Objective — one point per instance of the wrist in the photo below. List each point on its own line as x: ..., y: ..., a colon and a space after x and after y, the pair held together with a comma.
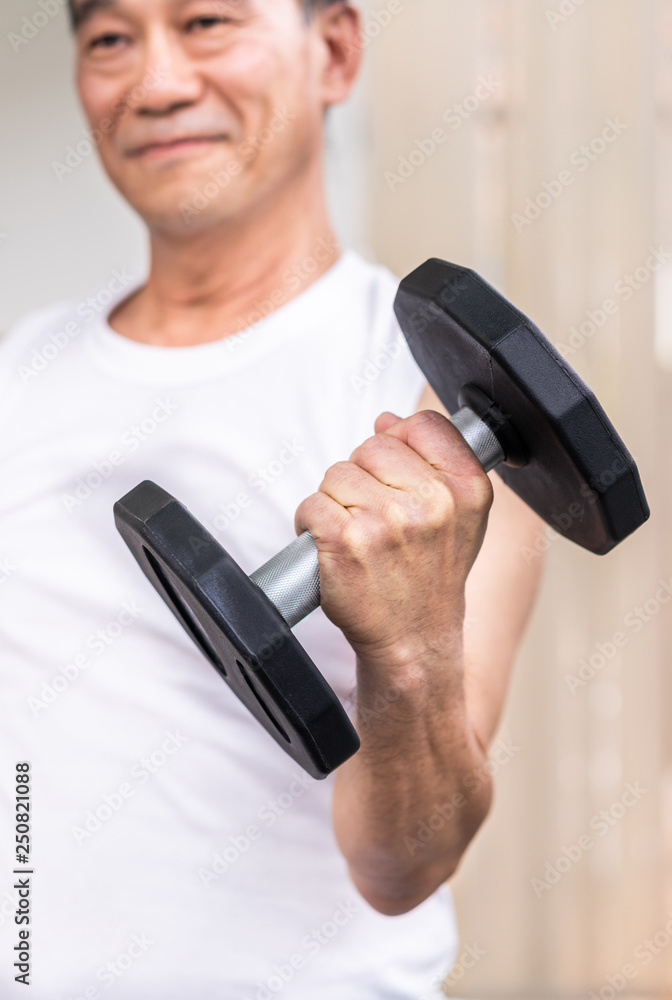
x: 415, y: 665
x: 406, y: 646
x: 407, y: 715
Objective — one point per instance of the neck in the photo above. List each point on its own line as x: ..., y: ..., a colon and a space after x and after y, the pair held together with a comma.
x: 220, y: 280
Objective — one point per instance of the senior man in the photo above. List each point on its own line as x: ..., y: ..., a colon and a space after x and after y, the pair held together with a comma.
x: 177, y: 852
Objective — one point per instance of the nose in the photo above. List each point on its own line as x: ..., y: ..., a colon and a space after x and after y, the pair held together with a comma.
x: 169, y: 78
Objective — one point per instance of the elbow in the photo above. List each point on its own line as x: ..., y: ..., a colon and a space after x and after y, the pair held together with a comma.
x: 392, y: 886
x: 391, y: 905
x: 395, y: 897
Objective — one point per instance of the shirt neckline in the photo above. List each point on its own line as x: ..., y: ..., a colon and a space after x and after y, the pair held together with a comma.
x: 152, y: 363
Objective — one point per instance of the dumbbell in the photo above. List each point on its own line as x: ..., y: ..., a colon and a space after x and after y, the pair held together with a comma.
x: 520, y: 407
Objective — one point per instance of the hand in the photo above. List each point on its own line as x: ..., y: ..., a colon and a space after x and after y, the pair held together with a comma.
x: 397, y: 528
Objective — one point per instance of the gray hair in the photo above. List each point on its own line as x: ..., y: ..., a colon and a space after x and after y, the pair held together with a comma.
x: 310, y: 7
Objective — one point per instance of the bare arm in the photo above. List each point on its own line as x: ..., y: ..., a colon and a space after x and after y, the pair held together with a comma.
x: 429, y: 695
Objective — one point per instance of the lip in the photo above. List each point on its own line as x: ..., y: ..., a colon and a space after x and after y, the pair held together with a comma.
x: 178, y: 146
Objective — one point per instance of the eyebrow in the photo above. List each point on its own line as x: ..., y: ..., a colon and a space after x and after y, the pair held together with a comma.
x: 82, y: 12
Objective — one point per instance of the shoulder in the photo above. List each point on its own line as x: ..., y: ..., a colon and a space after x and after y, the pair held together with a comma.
x: 367, y: 304
x: 372, y: 286
x: 385, y: 372
x: 37, y: 323
x: 32, y: 342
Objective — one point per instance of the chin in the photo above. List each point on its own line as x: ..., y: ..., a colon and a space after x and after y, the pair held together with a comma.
x: 179, y: 218
x: 183, y: 205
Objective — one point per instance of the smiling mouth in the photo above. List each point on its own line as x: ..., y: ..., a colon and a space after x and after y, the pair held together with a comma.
x: 185, y: 144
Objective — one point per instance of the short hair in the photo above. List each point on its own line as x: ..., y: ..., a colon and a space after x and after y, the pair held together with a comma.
x: 309, y: 7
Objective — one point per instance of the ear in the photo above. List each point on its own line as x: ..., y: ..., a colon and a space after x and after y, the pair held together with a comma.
x: 339, y: 29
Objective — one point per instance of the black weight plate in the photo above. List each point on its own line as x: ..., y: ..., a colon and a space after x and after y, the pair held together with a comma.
x: 579, y: 476
x: 237, y: 628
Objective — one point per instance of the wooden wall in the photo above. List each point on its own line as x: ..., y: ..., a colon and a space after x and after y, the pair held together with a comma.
x: 555, y: 84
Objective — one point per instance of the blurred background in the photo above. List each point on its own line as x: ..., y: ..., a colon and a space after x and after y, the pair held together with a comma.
x: 468, y: 115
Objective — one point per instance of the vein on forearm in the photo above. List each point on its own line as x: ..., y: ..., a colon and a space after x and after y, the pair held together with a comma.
x: 417, y: 750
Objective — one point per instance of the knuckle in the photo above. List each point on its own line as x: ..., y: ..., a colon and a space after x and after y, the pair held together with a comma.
x: 430, y: 419
x: 397, y: 516
x: 309, y: 508
x: 342, y: 468
x: 367, y: 448
x: 355, y: 538
x: 438, y: 502
x: 337, y: 473
x: 479, y: 494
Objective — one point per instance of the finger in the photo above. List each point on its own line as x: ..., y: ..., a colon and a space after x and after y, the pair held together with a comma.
x: 392, y: 462
x: 438, y: 442
x: 351, y: 492
x: 385, y: 421
x: 322, y: 516
x: 354, y: 488
x: 345, y: 489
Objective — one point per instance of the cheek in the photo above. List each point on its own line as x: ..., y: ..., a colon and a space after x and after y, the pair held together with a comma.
x: 260, y: 74
x: 98, y: 96
x: 102, y: 103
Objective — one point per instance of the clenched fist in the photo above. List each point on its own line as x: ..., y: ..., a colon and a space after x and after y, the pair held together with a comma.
x: 398, y: 527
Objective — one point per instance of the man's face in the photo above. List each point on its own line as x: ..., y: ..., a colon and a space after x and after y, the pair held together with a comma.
x: 204, y: 109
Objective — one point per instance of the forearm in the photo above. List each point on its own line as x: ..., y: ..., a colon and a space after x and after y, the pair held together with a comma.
x: 407, y: 804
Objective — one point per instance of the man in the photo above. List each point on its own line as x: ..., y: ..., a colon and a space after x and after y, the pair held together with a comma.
x: 178, y: 852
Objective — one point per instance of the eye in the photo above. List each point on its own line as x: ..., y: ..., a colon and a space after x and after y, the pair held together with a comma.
x: 204, y: 23
x: 110, y: 40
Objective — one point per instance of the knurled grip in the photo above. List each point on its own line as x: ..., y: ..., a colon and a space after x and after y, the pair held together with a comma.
x: 480, y: 438
x: 291, y: 579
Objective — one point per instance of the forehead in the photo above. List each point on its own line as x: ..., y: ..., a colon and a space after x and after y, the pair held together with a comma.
x: 83, y: 10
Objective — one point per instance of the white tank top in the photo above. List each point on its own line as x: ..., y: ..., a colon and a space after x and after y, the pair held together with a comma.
x: 177, y: 851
